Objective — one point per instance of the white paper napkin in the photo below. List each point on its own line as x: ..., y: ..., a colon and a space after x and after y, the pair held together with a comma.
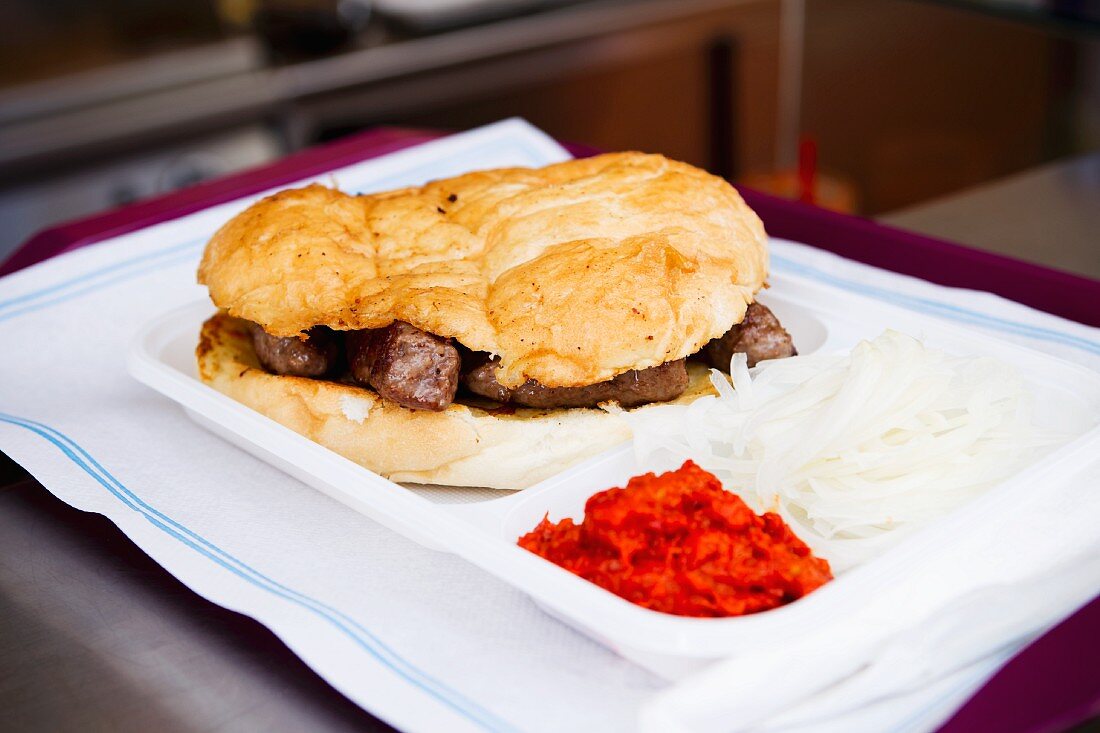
x: 419, y: 638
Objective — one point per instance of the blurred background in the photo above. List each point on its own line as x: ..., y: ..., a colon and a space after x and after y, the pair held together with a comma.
x: 975, y: 120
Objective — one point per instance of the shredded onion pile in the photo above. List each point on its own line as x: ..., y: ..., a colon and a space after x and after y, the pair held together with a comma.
x: 853, y: 450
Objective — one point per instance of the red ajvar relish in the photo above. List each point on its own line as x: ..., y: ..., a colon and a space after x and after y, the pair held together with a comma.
x: 682, y: 544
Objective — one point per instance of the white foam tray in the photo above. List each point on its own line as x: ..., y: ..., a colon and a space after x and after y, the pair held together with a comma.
x: 482, y: 526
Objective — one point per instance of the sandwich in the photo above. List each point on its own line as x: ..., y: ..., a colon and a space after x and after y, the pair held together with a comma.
x: 477, y: 330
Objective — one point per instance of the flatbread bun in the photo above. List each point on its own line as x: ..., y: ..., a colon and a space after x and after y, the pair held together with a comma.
x: 460, y: 446
x: 572, y: 274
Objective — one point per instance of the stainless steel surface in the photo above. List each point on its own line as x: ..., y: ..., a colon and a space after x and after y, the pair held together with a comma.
x: 1049, y: 215
x: 252, y: 94
x: 162, y: 71
x: 95, y: 636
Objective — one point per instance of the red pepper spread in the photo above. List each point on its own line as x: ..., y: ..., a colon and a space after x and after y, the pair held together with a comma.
x: 682, y: 544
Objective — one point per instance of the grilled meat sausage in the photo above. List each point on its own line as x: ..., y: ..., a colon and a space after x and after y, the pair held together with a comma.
x: 636, y: 387
x: 405, y: 365
x: 314, y: 356
x: 760, y: 336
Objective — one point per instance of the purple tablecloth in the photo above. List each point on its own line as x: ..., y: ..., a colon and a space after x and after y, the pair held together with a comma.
x: 1052, y: 684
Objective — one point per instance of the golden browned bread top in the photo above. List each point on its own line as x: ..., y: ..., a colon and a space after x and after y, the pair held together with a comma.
x: 571, y: 273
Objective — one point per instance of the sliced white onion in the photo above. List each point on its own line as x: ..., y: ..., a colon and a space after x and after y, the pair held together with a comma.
x: 854, y: 450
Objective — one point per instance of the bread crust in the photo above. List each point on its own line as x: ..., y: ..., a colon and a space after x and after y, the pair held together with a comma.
x: 572, y: 273
x: 460, y: 446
